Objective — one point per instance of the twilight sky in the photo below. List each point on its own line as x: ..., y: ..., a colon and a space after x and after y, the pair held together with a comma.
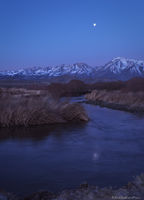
x: 50, y: 32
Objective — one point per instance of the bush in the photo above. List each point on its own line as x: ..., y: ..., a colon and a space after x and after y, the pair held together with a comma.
x: 134, y: 85
x: 109, y: 86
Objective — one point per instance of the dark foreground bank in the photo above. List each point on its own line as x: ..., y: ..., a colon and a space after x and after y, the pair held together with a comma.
x: 133, y: 190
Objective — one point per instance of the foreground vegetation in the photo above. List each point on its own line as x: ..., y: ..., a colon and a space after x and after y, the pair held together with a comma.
x: 21, y: 107
x: 37, y: 104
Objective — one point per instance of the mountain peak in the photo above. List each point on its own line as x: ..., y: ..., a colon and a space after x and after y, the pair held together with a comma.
x: 80, y: 64
x: 125, y: 67
x: 119, y: 59
x: 127, y: 60
x: 118, y: 68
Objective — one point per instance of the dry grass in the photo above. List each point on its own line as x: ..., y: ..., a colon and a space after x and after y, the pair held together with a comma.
x: 135, y: 100
x: 18, y: 109
x: 21, y: 92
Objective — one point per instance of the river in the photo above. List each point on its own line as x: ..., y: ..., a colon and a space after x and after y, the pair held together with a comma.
x: 106, y: 151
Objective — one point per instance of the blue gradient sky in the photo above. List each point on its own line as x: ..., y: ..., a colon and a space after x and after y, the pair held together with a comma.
x: 50, y: 32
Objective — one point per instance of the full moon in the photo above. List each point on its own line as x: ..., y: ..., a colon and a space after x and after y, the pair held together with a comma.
x: 94, y: 24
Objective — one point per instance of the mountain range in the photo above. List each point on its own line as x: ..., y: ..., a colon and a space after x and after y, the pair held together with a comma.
x: 117, y: 69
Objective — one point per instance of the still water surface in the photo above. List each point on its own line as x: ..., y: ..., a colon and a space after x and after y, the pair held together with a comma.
x: 108, y: 150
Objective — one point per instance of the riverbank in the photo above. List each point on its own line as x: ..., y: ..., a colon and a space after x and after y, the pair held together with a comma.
x: 133, y: 190
x: 127, y: 101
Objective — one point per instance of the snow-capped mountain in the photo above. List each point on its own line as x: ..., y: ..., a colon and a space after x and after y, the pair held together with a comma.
x: 117, y: 69
x: 53, y: 71
x: 118, y: 65
x: 121, y: 69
